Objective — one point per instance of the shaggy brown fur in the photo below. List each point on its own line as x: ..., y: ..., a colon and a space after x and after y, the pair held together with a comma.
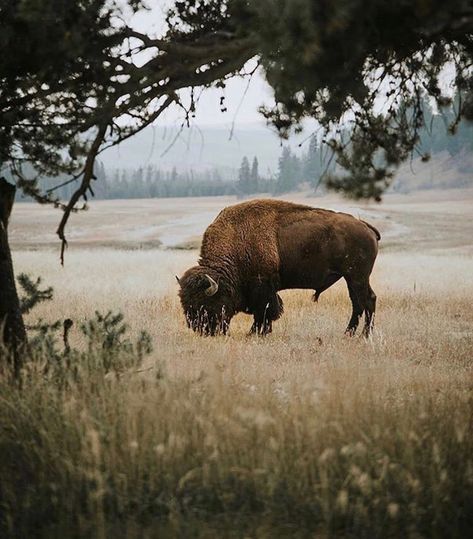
x: 256, y: 248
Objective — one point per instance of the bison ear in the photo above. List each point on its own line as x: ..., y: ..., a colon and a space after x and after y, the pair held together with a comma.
x: 212, y: 287
x: 178, y: 280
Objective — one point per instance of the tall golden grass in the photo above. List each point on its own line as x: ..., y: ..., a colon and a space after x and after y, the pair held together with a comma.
x: 304, y: 433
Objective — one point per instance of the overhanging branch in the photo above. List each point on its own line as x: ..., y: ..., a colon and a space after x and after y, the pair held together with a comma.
x: 85, y: 185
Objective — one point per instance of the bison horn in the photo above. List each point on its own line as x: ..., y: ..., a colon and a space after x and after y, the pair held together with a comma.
x: 177, y: 279
x: 213, y: 287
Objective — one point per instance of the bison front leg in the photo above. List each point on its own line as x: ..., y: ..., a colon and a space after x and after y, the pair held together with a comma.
x: 261, y: 327
x: 267, y: 309
x: 262, y: 323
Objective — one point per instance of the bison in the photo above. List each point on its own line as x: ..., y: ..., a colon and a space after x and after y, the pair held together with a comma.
x: 256, y: 248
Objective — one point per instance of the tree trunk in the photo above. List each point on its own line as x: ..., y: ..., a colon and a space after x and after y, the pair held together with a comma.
x: 13, y: 335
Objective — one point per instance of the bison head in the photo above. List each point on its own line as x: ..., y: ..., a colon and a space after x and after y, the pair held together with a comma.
x: 206, y: 301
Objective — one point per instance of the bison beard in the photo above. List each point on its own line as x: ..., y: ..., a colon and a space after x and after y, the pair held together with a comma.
x: 254, y: 249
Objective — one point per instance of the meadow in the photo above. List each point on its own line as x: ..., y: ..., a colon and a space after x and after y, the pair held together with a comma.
x: 304, y: 433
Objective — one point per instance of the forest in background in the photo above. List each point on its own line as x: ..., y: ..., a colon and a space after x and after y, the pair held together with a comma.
x: 295, y: 169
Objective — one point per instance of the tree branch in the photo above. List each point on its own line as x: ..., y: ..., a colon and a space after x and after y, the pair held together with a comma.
x: 82, y: 190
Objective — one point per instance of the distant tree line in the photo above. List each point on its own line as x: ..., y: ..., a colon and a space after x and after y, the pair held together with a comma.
x: 146, y: 182
x: 308, y: 168
x: 294, y: 169
x: 152, y: 182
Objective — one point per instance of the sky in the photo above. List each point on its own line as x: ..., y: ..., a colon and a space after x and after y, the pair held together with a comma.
x: 242, y: 99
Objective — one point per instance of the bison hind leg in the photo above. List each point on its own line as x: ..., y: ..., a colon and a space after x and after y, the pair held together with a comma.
x: 363, y: 300
x: 369, y: 312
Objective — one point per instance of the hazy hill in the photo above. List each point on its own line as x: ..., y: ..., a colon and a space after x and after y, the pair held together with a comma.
x: 198, y: 148
x: 442, y: 171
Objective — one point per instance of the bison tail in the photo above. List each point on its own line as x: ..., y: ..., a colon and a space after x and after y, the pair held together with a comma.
x: 375, y: 230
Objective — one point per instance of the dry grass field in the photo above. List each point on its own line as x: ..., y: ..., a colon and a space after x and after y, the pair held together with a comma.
x: 305, y: 433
